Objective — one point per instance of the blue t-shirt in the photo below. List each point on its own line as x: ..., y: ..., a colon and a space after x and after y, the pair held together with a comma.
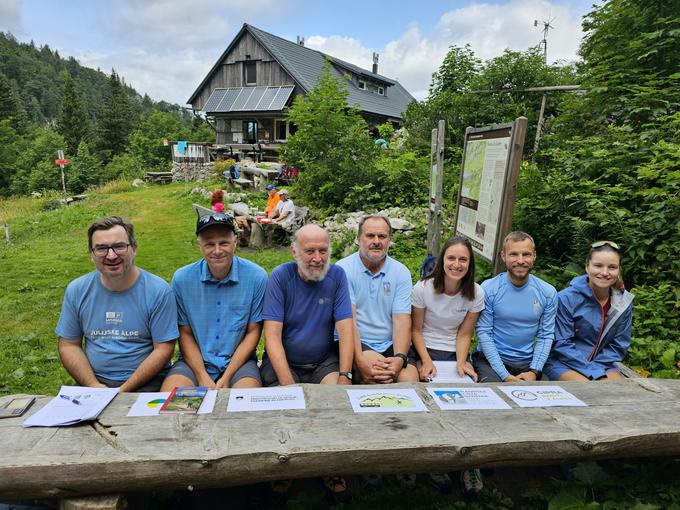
x: 219, y: 311
x: 377, y: 297
x: 119, y: 327
x: 517, y: 324
x: 308, y: 311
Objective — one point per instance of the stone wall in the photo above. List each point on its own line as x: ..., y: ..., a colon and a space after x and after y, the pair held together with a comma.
x: 191, y: 171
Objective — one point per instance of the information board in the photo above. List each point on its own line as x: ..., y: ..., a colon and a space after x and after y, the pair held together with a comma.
x: 488, y: 175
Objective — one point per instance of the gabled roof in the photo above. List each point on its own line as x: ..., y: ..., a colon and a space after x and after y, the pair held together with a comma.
x: 305, y: 64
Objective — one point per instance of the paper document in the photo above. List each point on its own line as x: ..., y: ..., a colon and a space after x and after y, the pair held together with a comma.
x: 385, y: 401
x: 148, y: 404
x: 447, y: 372
x: 467, y: 398
x: 541, y: 396
x: 266, y: 399
x: 72, y: 405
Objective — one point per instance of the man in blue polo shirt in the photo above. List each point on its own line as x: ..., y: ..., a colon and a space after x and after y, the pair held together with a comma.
x: 125, y: 315
x: 517, y: 326
x: 219, y: 305
x: 380, y: 289
x: 305, y: 301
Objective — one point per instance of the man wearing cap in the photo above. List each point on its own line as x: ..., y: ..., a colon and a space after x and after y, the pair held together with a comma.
x: 126, y: 316
x: 305, y: 301
x: 284, y: 212
x: 272, y: 200
x: 219, y: 311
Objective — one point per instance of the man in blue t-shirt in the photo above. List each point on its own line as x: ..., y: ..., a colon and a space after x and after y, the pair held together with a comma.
x: 126, y: 316
x: 304, y: 302
x: 517, y: 326
x: 219, y: 305
x: 380, y: 289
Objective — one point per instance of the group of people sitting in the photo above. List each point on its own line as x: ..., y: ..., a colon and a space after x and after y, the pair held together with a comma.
x: 359, y: 320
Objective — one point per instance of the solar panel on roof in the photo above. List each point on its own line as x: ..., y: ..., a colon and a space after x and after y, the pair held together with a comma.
x: 228, y: 100
x: 282, y: 95
x: 248, y: 99
x: 214, y: 100
x: 254, y: 99
x: 266, y: 99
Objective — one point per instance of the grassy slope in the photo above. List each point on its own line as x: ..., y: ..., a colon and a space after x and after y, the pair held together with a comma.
x: 49, y: 249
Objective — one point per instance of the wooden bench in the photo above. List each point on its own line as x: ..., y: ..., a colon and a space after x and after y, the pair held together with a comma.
x: 158, y: 177
x: 116, y: 453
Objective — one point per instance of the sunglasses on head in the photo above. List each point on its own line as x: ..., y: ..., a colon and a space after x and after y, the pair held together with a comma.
x: 612, y: 244
x: 217, y: 217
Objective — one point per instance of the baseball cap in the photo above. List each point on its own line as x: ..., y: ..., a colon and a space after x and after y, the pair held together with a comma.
x: 283, y: 192
x: 270, y: 187
x: 209, y: 220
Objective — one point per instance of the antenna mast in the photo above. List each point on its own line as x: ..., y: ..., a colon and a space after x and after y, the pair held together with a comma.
x: 544, y: 42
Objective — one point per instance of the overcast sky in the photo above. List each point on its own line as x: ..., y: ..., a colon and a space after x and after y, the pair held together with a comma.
x: 165, y: 47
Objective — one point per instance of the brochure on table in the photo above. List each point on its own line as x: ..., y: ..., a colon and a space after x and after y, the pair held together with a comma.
x: 541, y: 396
x: 266, y: 399
x: 149, y: 404
x: 385, y: 401
x: 447, y: 372
x: 467, y: 398
x: 72, y: 405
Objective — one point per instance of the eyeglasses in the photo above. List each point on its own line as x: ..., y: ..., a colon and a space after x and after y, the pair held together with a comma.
x: 599, y: 244
x: 102, y: 250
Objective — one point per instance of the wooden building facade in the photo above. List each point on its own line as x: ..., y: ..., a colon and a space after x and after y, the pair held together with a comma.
x: 260, y: 74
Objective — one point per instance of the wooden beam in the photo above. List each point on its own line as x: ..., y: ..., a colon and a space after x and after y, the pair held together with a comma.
x: 628, y: 418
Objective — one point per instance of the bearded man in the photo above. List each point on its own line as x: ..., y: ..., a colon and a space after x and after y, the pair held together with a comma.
x: 304, y: 302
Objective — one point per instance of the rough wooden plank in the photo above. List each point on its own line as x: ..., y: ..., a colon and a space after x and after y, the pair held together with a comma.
x: 624, y: 419
x: 111, y: 502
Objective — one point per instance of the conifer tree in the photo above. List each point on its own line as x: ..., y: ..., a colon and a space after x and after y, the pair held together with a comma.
x: 115, y: 120
x: 72, y: 122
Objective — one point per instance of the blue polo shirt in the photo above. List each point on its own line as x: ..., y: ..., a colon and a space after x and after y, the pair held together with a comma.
x: 219, y: 311
x: 377, y: 297
x: 308, y: 311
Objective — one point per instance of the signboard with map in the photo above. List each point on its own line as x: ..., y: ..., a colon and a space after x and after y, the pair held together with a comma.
x: 491, y: 157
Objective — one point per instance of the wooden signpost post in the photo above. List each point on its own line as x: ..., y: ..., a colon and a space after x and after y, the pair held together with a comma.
x: 436, y: 187
x: 62, y: 163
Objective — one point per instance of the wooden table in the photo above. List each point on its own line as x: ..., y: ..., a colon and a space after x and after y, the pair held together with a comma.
x: 629, y: 418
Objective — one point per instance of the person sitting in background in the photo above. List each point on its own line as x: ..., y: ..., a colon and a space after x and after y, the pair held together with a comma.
x: 272, y: 199
x: 284, y: 212
x: 594, y: 320
x: 217, y: 200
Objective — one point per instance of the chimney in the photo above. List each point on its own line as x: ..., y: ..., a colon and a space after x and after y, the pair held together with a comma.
x: 300, y: 40
x: 375, y: 62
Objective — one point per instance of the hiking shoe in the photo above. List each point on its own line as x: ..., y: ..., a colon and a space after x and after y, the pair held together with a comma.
x: 407, y: 479
x: 372, y: 481
x: 441, y: 482
x: 472, y: 481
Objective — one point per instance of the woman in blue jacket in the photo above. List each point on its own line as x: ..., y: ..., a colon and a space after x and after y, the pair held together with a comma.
x: 594, y: 320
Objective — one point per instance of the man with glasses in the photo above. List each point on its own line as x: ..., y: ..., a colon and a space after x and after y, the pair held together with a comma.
x: 219, y: 305
x: 127, y: 316
x: 517, y: 326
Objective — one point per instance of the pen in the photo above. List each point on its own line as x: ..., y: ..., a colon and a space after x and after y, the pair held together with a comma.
x: 66, y: 397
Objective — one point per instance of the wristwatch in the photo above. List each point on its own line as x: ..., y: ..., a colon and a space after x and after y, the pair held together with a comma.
x: 403, y: 358
x: 347, y: 374
x: 537, y: 373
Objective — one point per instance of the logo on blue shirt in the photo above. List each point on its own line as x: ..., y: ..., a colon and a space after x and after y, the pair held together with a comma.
x: 387, y: 288
x: 114, y: 317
